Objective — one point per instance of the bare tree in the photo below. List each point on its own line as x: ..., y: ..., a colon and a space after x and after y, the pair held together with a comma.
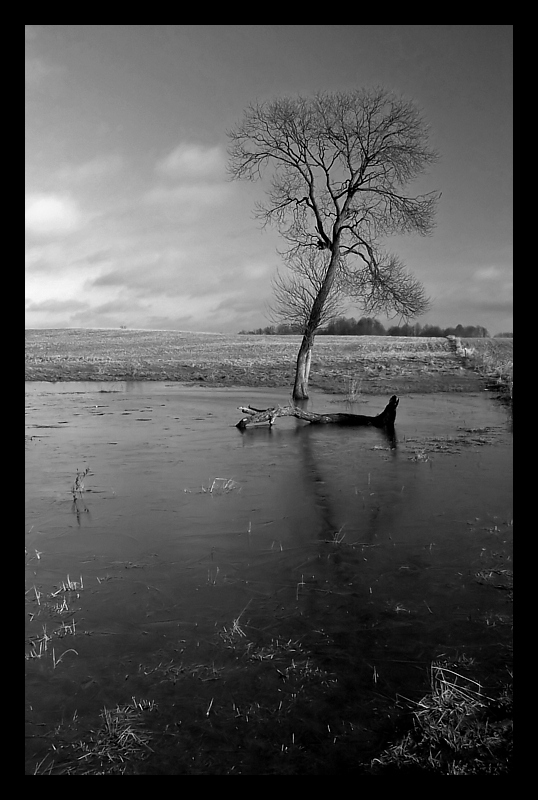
x: 296, y: 291
x: 339, y: 167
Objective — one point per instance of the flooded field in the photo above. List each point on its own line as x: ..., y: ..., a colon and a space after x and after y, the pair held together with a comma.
x: 255, y: 602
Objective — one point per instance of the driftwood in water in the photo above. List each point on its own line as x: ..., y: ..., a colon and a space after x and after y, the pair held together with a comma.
x: 256, y: 415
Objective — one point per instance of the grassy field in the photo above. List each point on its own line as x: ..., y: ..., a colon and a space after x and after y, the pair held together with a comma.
x: 493, y: 359
x: 340, y: 364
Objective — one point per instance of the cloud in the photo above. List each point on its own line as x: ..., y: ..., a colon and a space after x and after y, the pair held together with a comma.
x: 489, y: 273
x: 498, y: 307
x: 94, y: 169
x: 192, y: 162
x: 159, y: 323
x: 191, y: 182
x: 171, y: 253
x: 184, y: 269
x: 53, y: 306
x: 191, y: 200
x: 170, y: 273
x: 481, y: 295
x: 96, y: 257
x: 119, y: 305
x: 51, y: 215
x: 493, y: 287
x: 36, y: 70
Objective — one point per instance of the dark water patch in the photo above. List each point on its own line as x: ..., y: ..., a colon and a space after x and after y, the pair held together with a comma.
x: 272, y: 592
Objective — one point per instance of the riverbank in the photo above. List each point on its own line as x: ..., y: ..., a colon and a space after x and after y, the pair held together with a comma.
x: 351, y: 365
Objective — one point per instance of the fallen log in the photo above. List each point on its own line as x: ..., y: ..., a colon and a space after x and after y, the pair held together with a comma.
x: 258, y: 415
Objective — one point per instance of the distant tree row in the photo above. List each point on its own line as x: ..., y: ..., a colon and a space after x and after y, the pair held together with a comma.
x: 276, y: 330
x: 369, y: 326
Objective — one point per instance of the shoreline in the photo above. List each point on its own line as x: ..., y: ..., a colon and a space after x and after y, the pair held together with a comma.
x: 347, y: 365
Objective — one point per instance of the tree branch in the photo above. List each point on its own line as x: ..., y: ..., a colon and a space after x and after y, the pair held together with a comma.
x: 255, y: 416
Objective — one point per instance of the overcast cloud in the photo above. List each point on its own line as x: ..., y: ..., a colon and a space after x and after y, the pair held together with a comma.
x: 130, y: 216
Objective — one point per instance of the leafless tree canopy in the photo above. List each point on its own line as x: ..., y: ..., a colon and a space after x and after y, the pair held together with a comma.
x: 295, y: 292
x: 339, y: 166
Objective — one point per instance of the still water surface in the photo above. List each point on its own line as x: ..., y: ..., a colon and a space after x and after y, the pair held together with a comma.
x: 372, y: 554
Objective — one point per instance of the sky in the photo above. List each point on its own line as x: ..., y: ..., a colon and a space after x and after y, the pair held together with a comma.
x: 130, y: 215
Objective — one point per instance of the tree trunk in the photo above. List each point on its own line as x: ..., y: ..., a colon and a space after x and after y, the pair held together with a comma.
x: 302, y: 373
x: 256, y: 415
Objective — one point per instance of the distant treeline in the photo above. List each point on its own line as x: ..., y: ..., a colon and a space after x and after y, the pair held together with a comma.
x: 368, y: 326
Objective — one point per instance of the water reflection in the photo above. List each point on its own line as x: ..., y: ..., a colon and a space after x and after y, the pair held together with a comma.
x: 340, y: 538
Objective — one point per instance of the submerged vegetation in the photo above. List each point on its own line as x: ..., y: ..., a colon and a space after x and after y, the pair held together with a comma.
x: 270, y: 706
x: 249, y: 702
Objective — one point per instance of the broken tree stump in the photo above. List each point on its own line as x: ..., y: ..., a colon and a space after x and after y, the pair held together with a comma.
x: 258, y: 415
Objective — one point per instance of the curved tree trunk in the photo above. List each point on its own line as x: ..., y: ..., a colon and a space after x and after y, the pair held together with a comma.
x: 302, y: 372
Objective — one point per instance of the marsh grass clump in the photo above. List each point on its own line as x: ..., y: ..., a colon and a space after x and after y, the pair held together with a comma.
x: 353, y: 389
x: 221, y: 486
x: 217, y: 486
x: 173, y: 671
x: 68, y: 585
x: 112, y: 749
x: 233, y: 633
x: 457, y: 730
x: 419, y: 455
x: 39, y: 645
x: 78, y: 484
x: 53, y: 604
x: 276, y: 648
x: 338, y: 536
